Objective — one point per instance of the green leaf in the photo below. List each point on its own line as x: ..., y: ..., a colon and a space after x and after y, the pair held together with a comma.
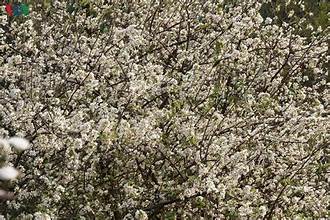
x: 170, y: 216
x: 232, y: 215
x: 192, y: 140
x: 84, y: 3
x: 218, y: 47
x: 70, y: 7
x: 104, y: 28
x: 200, y: 203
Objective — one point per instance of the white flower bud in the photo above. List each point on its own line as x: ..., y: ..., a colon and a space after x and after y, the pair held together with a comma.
x: 268, y: 20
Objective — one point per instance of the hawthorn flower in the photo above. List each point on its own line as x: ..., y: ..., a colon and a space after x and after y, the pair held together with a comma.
x: 245, y: 210
x: 41, y: 216
x: 291, y: 13
x: 268, y: 20
x: 141, y: 215
x: 263, y: 210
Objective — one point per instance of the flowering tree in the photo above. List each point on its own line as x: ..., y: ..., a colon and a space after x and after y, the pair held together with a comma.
x: 165, y: 110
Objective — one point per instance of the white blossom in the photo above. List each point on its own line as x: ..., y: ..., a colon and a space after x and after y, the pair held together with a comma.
x: 177, y: 110
x: 141, y: 215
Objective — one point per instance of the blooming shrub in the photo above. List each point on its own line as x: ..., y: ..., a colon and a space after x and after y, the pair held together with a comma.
x: 165, y: 110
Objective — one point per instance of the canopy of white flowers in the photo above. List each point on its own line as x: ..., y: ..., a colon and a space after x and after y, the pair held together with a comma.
x: 164, y: 110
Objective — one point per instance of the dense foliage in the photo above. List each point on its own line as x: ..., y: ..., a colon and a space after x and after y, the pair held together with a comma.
x: 165, y: 110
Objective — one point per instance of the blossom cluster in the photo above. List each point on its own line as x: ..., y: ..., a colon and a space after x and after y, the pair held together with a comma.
x: 181, y: 110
